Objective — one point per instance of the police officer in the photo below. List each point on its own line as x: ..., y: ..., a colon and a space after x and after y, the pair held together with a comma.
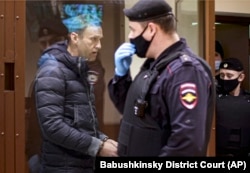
x: 51, y: 31
x: 167, y: 108
x: 232, y: 111
x: 218, y: 57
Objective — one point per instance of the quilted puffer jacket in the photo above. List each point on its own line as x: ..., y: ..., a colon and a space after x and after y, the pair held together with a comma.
x: 66, y: 112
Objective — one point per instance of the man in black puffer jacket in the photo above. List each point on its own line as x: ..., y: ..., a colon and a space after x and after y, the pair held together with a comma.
x: 65, y: 104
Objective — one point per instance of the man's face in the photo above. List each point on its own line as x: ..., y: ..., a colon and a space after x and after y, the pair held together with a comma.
x: 217, y: 56
x: 46, y: 41
x: 227, y: 74
x: 135, y: 29
x: 89, y: 43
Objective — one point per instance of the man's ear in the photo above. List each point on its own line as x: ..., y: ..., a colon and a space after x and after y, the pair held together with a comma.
x: 152, y: 28
x: 74, y: 37
x: 242, y: 77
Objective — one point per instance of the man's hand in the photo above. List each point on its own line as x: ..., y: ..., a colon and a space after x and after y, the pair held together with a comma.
x: 123, y: 58
x: 109, y: 149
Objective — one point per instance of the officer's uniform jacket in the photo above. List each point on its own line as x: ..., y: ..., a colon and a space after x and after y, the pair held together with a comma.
x: 232, y: 124
x: 176, y: 122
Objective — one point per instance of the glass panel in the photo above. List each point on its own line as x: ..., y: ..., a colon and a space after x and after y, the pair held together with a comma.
x: 187, y: 26
x: 46, y: 22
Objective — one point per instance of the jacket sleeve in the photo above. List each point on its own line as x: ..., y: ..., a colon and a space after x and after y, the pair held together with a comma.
x: 49, y: 96
x: 188, y: 90
x: 118, y: 88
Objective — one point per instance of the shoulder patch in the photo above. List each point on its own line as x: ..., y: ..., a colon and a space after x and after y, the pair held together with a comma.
x: 188, y: 95
x: 92, y: 77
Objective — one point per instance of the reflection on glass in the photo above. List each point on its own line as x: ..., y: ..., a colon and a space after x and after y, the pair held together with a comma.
x: 72, y: 13
x: 48, y: 24
x: 187, y: 13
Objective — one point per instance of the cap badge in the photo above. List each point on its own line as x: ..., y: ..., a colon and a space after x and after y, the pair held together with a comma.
x: 225, y: 65
x: 45, y: 31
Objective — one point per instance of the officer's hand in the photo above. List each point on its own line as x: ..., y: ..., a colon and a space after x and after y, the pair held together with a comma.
x: 123, y: 58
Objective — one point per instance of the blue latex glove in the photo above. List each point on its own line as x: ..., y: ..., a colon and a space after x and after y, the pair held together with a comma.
x: 123, y: 58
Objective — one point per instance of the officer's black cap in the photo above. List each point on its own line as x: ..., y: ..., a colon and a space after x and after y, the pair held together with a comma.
x: 231, y: 64
x: 145, y: 10
x: 52, y: 27
x: 219, y: 49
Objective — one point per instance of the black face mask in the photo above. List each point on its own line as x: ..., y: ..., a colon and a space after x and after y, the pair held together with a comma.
x: 141, y: 45
x: 228, y: 85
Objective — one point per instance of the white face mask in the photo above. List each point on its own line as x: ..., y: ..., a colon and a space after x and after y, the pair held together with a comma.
x: 217, y: 64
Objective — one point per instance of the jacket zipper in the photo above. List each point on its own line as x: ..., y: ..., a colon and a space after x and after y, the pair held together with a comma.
x: 88, y: 95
